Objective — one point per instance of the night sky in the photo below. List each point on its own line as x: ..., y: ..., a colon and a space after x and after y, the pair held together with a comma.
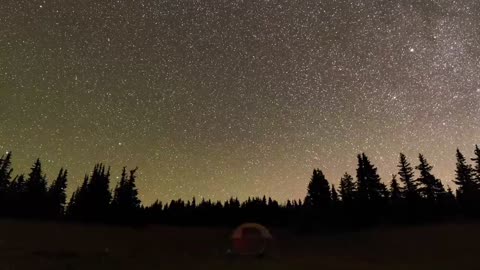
x: 236, y: 98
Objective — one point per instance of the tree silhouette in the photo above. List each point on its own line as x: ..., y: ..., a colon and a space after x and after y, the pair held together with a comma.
x: 56, y: 194
x: 395, y: 192
x: 467, y: 191
x: 476, y: 160
x: 430, y: 188
x: 347, y: 189
x: 92, y: 199
x: 362, y: 202
x: 5, y: 177
x: 318, y: 191
x: 16, y: 197
x: 125, y: 200
x: 408, y: 180
x: 77, y: 207
x: 36, y: 191
x: 98, y: 195
x: 371, y: 191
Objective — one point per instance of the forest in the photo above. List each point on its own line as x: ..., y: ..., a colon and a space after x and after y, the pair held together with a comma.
x: 413, y: 195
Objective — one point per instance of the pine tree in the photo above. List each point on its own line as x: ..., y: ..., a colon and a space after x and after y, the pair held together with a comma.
x: 77, y: 206
x: 395, y: 191
x: 347, y: 189
x: 371, y: 190
x: 36, y: 191
x: 92, y: 199
x: 476, y: 161
x: 98, y: 193
x: 56, y: 194
x: 318, y: 193
x: 467, y: 187
x: 125, y: 200
x: 16, y: 196
x: 430, y: 188
x: 5, y: 177
x: 408, y: 180
x: 5, y: 173
x: 449, y: 202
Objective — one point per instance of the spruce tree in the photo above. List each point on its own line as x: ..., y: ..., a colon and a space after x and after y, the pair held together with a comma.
x: 5, y: 174
x: 395, y: 191
x: 16, y: 196
x: 371, y: 190
x: 56, y: 194
x: 467, y: 192
x: 408, y: 180
x: 5, y: 177
x: 347, y: 189
x: 125, y: 200
x: 36, y: 191
x: 318, y: 193
x: 476, y: 161
x: 98, y: 192
x: 430, y: 187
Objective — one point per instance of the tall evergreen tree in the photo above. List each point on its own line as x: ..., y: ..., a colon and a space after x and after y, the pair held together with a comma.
x: 371, y: 190
x: 318, y: 193
x: 395, y: 191
x: 5, y: 173
x: 430, y: 188
x: 408, y: 180
x: 5, y: 177
x: 16, y: 196
x: 36, y: 191
x: 125, y: 200
x: 467, y: 192
x: 92, y: 199
x: 77, y: 206
x: 56, y: 194
x: 347, y: 189
x: 98, y: 195
x: 476, y: 161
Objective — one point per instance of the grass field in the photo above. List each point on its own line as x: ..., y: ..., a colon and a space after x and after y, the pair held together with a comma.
x: 68, y: 246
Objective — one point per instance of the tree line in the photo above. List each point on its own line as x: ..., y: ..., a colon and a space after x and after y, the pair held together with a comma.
x: 414, y: 194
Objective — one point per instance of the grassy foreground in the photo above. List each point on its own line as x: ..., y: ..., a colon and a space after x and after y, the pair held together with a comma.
x: 71, y: 246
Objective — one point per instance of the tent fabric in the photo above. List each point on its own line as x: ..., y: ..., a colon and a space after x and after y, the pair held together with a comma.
x: 249, y: 229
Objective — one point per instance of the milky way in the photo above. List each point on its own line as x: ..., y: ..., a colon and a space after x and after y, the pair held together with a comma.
x: 235, y: 98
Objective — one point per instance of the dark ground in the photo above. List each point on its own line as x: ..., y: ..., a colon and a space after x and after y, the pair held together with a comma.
x: 43, y: 245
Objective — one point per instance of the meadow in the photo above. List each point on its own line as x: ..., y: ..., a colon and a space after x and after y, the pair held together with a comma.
x: 46, y: 245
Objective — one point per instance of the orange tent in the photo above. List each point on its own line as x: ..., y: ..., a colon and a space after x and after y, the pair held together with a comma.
x: 250, y: 239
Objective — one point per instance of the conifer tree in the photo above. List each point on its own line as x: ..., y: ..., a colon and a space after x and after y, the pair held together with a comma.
x: 5, y: 177
x: 395, y: 191
x: 347, y: 189
x: 98, y: 193
x: 430, y: 188
x: 125, y: 200
x: 476, y: 161
x: 467, y: 192
x: 36, y: 191
x: 370, y: 188
x: 5, y: 174
x: 318, y: 193
x: 56, y: 194
x: 407, y: 178
x: 16, y: 196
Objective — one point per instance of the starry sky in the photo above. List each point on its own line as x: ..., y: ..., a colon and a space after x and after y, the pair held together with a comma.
x: 236, y: 98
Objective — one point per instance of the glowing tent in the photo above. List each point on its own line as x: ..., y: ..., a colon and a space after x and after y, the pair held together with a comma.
x: 250, y: 239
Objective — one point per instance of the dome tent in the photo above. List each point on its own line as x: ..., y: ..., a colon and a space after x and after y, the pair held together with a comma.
x: 250, y: 239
